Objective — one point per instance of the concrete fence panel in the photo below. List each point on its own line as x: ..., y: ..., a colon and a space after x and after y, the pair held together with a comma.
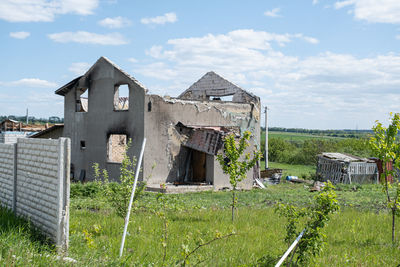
x: 7, y: 175
x: 39, y: 174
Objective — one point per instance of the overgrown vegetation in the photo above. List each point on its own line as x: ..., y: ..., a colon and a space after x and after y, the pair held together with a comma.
x: 357, y: 236
x: 235, y: 163
x: 315, y: 218
x: 118, y: 194
x: 305, y: 152
x: 386, y: 147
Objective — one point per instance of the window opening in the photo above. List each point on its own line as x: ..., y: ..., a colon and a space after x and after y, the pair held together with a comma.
x: 116, y: 147
x: 223, y: 98
x: 83, y: 144
x: 121, y: 97
x: 82, y: 99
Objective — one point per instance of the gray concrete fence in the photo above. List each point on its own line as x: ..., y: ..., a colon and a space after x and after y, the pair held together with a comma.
x: 34, y: 183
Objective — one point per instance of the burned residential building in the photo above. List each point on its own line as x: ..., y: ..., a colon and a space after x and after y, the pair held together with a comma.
x: 106, y: 107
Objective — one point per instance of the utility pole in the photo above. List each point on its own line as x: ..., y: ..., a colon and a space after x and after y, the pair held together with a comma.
x: 26, y: 116
x: 266, y: 138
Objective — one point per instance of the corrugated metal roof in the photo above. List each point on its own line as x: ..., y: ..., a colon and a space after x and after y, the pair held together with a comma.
x: 205, y: 140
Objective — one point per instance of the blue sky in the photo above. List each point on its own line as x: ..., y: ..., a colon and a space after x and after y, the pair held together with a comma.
x: 315, y: 64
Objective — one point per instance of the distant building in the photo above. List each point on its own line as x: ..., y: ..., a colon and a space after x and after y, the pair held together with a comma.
x: 347, y: 169
x: 53, y: 132
x: 11, y: 130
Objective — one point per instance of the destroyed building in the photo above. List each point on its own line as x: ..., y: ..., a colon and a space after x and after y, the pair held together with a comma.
x: 11, y: 130
x: 106, y: 107
x: 346, y: 168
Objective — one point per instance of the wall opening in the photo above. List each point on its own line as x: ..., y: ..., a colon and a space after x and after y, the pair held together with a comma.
x: 223, y: 98
x: 83, y: 144
x: 82, y: 100
x: 198, y: 163
x: 116, y: 144
x: 121, y: 97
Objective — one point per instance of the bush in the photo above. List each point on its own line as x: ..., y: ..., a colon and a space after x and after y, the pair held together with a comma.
x: 91, y: 189
x: 118, y: 194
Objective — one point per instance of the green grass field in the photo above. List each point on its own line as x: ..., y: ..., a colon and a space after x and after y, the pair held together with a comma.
x: 359, y: 235
x: 301, y: 171
x: 289, y: 136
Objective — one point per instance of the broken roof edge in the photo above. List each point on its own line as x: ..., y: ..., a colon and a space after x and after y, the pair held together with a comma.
x: 173, y: 100
x: 63, y: 90
x: 343, y: 157
x: 223, y: 128
x: 222, y: 78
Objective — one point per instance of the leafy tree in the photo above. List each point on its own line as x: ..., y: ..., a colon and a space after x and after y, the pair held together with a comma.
x: 234, y: 163
x: 386, y: 147
x: 316, y: 217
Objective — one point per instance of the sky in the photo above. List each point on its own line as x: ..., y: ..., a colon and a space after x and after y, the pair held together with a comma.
x: 315, y: 64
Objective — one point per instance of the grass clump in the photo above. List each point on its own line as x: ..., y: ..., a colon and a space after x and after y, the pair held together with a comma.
x: 21, y: 244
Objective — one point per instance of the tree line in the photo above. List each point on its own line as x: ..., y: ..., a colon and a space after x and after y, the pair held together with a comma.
x: 305, y: 152
x: 32, y: 119
x: 348, y: 133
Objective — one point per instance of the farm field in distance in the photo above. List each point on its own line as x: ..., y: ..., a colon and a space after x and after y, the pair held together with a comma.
x: 301, y: 171
x: 359, y: 235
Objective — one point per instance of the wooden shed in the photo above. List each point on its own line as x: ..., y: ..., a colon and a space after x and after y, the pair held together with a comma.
x: 347, y: 169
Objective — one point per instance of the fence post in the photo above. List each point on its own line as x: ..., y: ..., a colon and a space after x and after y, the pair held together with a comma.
x: 63, y: 194
x: 14, y: 200
x: 65, y: 213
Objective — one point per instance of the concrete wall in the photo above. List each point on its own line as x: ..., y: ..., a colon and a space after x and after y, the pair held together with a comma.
x: 164, y: 149
x: 34, y: 175
x: 95, y: 126
x: 11, y: 137
x: 7, y: 162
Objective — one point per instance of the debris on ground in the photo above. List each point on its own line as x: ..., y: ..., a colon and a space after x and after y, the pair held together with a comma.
x: 317, y: 186
x: 260, y: 184
x: 295, y: 179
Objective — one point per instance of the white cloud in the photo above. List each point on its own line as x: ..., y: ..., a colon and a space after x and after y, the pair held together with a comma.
x: 115, y: 23
x: 314, y: 2
x: 383, y: 11
x: 30, y: 82
x: 166, y: 18
x: 88, y: 38
x: 43, y: 10
x: 329, y: 90
x: 341, y: 4
x: 20, y: 35
x: 133, y: 60
x: 273, y: 13
x: 79, y: 68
